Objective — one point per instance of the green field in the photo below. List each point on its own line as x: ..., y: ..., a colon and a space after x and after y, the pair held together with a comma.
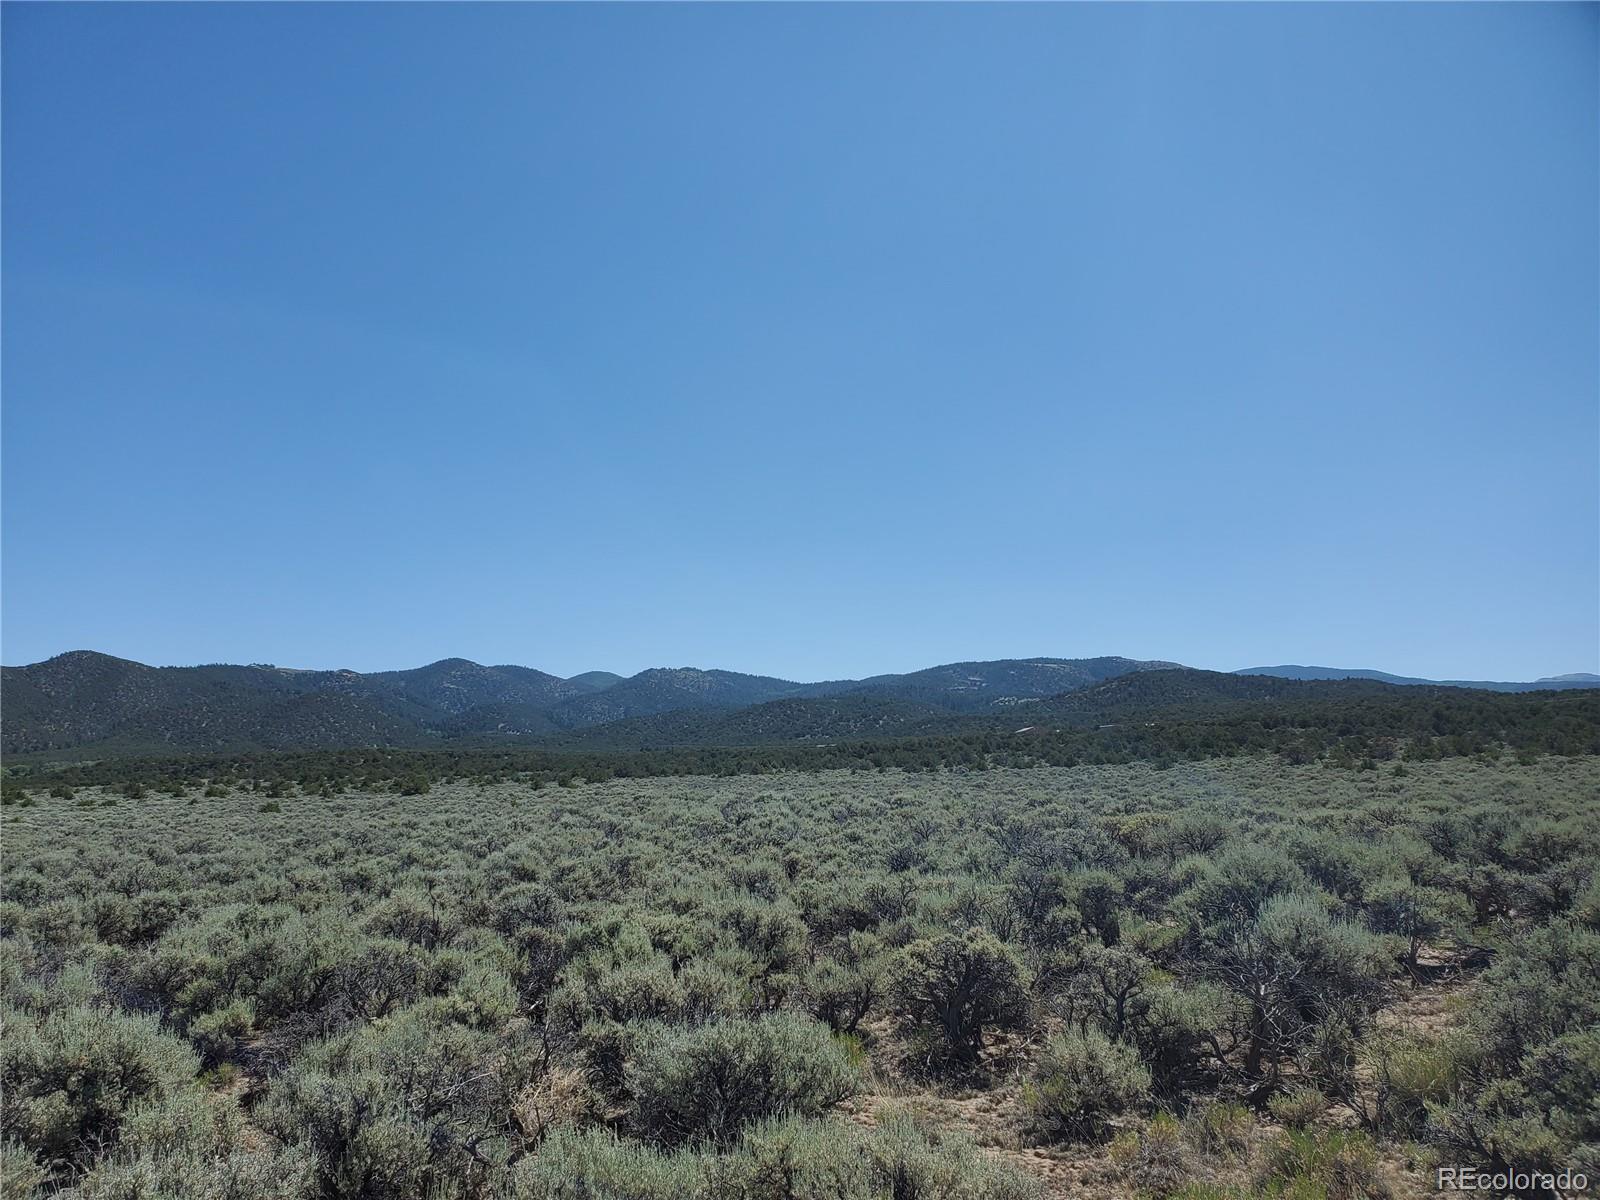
x: 1226, y: 978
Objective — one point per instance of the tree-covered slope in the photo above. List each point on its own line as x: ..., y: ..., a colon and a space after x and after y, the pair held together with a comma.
x: 456, y: 686
x: 852, y: 716
x: 975, y: 686
x: 1579, y: 679
x: 664, y: 689
x: 88, y: 699
x: 84, y: 704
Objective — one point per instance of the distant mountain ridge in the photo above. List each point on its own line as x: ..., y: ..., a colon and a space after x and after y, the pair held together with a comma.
x: 90, y: 704
x: 455, y: 685
x: 1132, y: 700
x: 82, y: 700
x: 1579, y: 679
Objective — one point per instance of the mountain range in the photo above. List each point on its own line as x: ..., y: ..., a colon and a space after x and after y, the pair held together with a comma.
x: 86, y: 704
x: 86, y: 700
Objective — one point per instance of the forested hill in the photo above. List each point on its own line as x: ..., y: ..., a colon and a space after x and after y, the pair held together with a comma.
x: 1158, y: 717
x: 1120, y: 709
x: 1580, y: 679
x: 89, y: 704
x: 1155, y: 716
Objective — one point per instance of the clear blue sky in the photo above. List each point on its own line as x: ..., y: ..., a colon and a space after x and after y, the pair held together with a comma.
x: 810, y: 340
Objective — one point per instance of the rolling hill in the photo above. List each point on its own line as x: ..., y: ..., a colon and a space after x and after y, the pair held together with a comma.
x: 665, y: 689
x: 1550, y: 683
x: 845, y: 717
x: 89, y: 703
x: 456, y: 686
x: 1130, y: 698
x: 87, y: 699
x: 83, y: 704
x: 981, y: 686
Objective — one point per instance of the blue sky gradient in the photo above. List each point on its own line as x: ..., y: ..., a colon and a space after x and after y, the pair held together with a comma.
x: 813, y: 340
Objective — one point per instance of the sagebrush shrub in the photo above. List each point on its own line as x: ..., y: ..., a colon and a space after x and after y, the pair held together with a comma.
x: 1155, y: 1161
x: 1084, y: 1078
x: 1336, y: 1164
x: 1298, y: 1107
x: 21, y: 1175
x: 217, y: 1034
x: 68, y: 1083
x: 596, y: 1163
x: 1220, y: 1129
x: 702, y: 1083
x: 786, y: 1159
x: 959, y: 985
x: 238, y: 1174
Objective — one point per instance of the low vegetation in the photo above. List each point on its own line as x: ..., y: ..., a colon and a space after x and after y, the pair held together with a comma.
x: 329, y: 980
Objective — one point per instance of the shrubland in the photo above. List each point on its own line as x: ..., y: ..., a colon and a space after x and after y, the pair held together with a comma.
x: 1197, y: 976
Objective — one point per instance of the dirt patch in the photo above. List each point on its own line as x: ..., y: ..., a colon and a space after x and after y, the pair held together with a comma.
x: 1429, y: 1011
